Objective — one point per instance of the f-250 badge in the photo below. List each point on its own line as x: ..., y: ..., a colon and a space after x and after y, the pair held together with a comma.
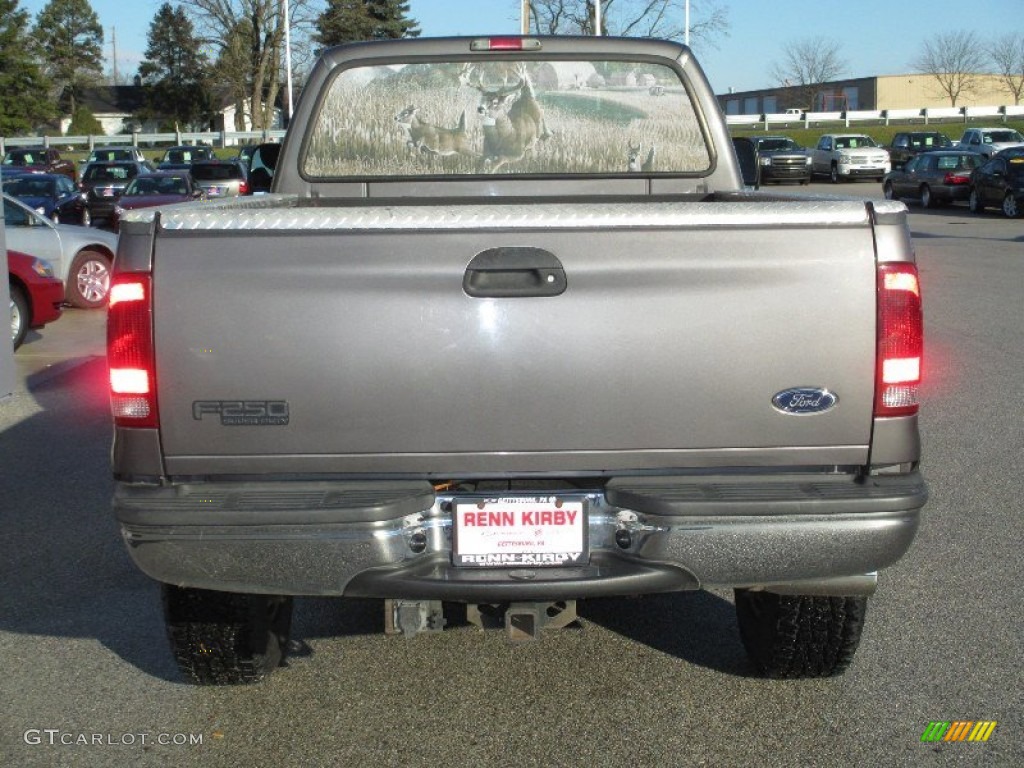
x: 805, y: 400
x: 243, y: 413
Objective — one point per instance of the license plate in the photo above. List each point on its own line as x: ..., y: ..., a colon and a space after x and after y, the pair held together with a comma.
x: 519, y: 532
x: 108, y: 192
x: 214, y: 191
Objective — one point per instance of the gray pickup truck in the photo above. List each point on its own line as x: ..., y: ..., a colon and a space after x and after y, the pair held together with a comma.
x: 510, y: 332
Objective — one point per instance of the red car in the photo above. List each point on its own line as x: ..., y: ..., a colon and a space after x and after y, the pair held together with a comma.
x: 161, y: 188
x: 37, y: 297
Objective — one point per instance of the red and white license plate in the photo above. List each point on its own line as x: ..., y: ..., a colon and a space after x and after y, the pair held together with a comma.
x: 519, y: 532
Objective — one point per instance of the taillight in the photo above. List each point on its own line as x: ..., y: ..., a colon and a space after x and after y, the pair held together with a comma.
x: 243, y: 187
x: 955, y: 178
x: 900, y: 339
x: 130, y: 351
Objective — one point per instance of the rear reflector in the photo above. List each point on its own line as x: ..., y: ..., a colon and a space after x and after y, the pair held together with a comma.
x: 900, y: 340
x: 130, y: 351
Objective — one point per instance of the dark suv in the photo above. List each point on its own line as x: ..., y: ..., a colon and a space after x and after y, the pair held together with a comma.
x: 103, y: 184
x: 910, y: 144
x: 779, y: 158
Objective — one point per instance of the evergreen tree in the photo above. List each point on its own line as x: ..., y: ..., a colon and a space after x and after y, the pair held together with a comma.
x: 175, y: 69
x: 24, y: 97
x: 347, y: 21
x: 71, y: 43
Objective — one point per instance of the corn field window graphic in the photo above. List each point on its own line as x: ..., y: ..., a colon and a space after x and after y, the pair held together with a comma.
x: 958, y: 730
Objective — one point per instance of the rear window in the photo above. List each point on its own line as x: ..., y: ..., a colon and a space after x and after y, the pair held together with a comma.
x: 201, y: 172
x: 110, y: 172
x: 958, y: 162
x: 507, y: 118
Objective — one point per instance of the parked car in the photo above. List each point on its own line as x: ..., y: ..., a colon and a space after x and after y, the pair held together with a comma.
x: 990, y: 141
x: 942, y: 176
x: 181, y: 158
x: 37, y: 294
x: 160, y: 188
x: 779, y: 158
x: 80, y: 256
x: 55, y: 197
x: 220, y: 179
x: 103, y: 184
x: 848, y: 156
x: 120, y: 154
x: 37, y: 160
x: 999, y: 183
x: 908, y: 144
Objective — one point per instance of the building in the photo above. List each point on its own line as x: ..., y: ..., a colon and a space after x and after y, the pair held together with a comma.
x: 914, y: 91
x: 117, y: 109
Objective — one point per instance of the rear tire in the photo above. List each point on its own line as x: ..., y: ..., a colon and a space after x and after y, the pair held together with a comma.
x: 927, y: 201
x: 20, y: 316
x: 888, y: 191
x: 834, y: 174
x: 974, y: 202
x: 224, y: 638
x: 799, y: 636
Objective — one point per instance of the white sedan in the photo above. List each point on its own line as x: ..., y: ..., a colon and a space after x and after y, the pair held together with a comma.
x: 81, y: 256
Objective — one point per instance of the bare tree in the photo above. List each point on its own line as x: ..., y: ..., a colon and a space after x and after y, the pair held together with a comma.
x: 806, y: 64
x: 954, y: 59
x: 631, y: 18
x: 1007, y: 53
x: 247, y: 40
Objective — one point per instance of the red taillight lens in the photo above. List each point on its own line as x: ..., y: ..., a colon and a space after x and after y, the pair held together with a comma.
x: 900, y: 340
x: 955, y: 178
x: 243, y: 188
x: 130, y: 351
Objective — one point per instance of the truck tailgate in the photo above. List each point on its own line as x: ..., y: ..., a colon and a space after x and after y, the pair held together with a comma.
x: 342, y: 339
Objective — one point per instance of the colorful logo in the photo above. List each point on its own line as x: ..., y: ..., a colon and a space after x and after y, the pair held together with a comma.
x: 959, y: 730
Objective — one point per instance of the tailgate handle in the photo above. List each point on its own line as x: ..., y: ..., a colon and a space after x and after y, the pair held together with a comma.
x: 514, y: 271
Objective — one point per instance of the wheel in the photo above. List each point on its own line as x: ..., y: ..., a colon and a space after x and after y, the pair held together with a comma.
x: 224, y: 638
x: 834, y: 174
x: 55, y: 217
x: 974, y: 202
x: 805, y: 182
x: 927, y: 200
x: 888, y: 191
x: 86, y: 218
x: 89, y: 280
x: 799, y: 636
x: 20, y: 316
x: 1011, y: 208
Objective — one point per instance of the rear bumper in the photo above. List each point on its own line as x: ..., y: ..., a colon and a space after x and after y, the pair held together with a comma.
x: 394, y: 541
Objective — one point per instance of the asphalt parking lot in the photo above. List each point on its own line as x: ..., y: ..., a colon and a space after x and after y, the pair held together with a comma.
x: 658, y: 681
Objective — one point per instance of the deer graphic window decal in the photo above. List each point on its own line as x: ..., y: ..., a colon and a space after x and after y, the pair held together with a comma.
x: 506, y: 117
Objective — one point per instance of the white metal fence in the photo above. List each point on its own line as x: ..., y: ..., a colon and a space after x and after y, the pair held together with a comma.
x: 925, y: 115
x: 212, y: 138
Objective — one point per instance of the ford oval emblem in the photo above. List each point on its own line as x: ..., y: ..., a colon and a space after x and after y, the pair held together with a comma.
x: 805, y: 400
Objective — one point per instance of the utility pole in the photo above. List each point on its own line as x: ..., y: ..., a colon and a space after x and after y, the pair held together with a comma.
x: 113, y: 55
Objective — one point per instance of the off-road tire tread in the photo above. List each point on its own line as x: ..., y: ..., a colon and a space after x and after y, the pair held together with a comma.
x: 800, y: 636
x: 222, y: 638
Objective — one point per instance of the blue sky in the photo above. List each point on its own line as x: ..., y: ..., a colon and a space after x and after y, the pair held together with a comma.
x: 877, y: 38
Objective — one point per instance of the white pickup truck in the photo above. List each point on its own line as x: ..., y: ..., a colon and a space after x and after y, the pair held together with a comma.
x: 990, y: 141
x: 847, y: 156
x: 467, y: 356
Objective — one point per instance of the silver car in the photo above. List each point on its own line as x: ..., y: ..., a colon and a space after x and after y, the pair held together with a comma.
x: 81, y: 256
x: 220, y: 179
